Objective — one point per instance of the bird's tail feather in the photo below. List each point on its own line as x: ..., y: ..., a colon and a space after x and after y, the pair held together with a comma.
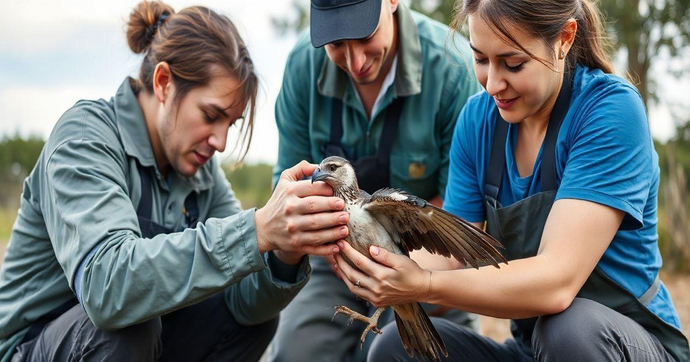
x: 417, y: 333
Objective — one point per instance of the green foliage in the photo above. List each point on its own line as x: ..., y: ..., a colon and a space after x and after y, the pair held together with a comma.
x: 7, y: 217
x: 17, y: 158
x: 644, y: 28
x: 251, y: 183
x: 19, y: 151
x: 439, y: 10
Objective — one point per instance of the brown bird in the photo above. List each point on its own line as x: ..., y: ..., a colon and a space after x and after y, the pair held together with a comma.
x: 399, y: 222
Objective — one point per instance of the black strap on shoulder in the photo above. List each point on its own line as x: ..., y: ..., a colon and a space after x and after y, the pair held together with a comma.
x: 390, y: 130
x: 497, y: 160
x: 336, y: 121
x: 548, y: 156
x: 144, y: 209
x: 548, y: 162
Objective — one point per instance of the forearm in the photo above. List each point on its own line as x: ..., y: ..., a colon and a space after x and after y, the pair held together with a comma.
x: 522, y: 289
x: 129, y: 280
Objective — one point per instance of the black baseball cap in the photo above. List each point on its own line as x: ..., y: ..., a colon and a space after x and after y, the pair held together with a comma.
x: 336, y: 20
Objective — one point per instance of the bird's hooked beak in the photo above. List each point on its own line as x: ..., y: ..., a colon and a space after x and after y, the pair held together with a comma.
x: 319, y: 175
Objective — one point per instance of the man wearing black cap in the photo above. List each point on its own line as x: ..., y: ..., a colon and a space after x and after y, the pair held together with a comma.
x: 378, y: 87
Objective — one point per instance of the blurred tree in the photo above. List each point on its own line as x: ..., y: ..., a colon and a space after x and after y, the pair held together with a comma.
x: 17, y: 158
x: 643, y: 28
x: 19, y: 151
x: 251, y: 183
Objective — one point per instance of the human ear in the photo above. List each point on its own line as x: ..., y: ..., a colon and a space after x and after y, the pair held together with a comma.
x: 162, y: 81
x: 394, y: 5
x: 567, y: 38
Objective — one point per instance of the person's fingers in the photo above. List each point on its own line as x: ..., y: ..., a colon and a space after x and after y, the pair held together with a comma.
x: 316, y: 204
x: 322, y: 250
x: 360, y: 261
x: 320, y: 237
x: 353, y: 274
x: 363, y: 293
x: 305, y: 188
x: 385, y: 257
x: 324, y: 220
x: 298, y: 171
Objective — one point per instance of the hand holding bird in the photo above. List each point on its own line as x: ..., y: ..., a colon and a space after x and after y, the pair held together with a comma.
x: 398, y: 223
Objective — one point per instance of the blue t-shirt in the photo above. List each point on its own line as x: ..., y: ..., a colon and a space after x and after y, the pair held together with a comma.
x: 604, y: 154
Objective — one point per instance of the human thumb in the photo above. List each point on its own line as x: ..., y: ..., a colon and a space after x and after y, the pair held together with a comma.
x: 299, y: 171
x: 381, y: 255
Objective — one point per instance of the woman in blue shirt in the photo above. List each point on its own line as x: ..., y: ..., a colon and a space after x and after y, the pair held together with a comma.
x: 556, y: 157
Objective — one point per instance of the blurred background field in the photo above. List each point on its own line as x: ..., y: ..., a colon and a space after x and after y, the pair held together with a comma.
x: 651, y: 44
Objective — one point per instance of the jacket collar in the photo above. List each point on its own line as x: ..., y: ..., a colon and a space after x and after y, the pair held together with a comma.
x: 333, y: 81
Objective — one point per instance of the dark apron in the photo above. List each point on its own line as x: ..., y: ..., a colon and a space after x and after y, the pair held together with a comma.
x: 519, y: 227
x: 373, y: 172
x: 149, y: 229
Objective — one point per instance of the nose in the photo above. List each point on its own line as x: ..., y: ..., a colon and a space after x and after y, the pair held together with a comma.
x: 218, y: 139
x: 355, y: 57
x: 495, y: 82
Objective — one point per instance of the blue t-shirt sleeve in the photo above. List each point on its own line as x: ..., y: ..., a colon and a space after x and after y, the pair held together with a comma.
x: 464, y: 195
x: 610, y: 160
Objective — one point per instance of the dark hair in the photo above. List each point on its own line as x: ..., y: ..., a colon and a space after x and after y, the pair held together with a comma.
x: 546, y: 19
x: 194, y: 42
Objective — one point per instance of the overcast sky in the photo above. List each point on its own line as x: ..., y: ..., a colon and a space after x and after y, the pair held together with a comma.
x: 53, y: 53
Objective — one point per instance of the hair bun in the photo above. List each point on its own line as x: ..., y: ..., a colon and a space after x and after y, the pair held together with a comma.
x: 142, y: 22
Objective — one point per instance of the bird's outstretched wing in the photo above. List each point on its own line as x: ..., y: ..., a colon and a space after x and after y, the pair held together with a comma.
x: 414, y: 223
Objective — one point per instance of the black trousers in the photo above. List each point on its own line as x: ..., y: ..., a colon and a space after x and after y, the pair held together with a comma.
x: 206, y: 331
x: 586, y: 331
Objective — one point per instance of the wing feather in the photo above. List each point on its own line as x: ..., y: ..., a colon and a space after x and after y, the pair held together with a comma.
x: 416, y: 224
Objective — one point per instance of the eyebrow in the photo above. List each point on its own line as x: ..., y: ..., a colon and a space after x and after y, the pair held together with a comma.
x: 219, y: 109
x: 502, y: 55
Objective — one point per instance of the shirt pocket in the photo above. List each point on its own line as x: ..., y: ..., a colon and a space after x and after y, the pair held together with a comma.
x: 416, y: 173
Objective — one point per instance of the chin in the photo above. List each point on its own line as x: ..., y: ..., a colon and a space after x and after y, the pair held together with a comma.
x: 187, y: 170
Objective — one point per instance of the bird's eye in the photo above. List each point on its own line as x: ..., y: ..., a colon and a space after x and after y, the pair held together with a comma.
x: 332, y: 168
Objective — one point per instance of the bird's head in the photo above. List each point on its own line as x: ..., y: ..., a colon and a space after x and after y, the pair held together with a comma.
x: 336, y: 172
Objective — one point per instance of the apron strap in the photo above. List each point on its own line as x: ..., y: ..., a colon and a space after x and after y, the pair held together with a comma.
x: 390, y: 130
x: 548, y: 163
x: 146, y: 201
x: 651, y: 291
x: 497, y: 161
x: 150, y: 229
x: 336, y: 121
x: 548, y: 156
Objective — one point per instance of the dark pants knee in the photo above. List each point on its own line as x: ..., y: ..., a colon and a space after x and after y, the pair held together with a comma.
x: 589, y: 331
x: 140, y: 342
x: 578, y: 334
x: 208, y: 331
x: 73, y: 336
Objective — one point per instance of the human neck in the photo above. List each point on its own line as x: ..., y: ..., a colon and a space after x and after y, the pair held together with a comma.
x: 149, y: 105
x: 538, y: 123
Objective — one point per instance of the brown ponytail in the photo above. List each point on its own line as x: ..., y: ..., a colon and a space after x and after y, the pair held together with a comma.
x: 546, y: 19
x: 194, y: 42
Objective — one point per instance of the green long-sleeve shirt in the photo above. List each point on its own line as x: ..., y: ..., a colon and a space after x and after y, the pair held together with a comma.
x: 83, y: 194
x: 434, y: 76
